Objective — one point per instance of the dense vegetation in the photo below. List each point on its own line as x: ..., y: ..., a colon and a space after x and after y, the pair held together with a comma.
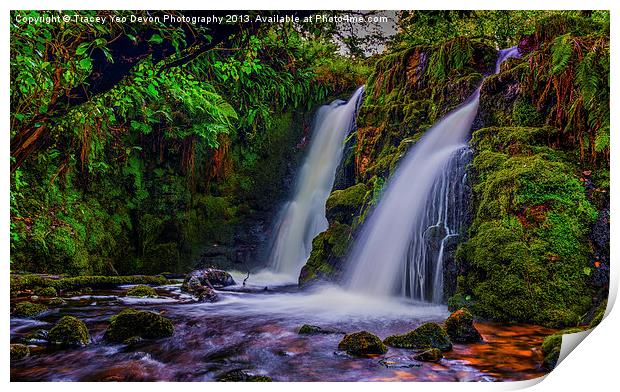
x: 137, y: 149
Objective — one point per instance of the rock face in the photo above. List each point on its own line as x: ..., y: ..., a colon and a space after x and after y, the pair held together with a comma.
x: 361, y: 344
x: 19, y: 351
x: 141, y: 291
x: 69, y: 331
x: 28, y: 309
x: 201, y: 283
x: 429, y: 335
x: 460, y: 327
x: 430, y: 355
x: 131, y: 323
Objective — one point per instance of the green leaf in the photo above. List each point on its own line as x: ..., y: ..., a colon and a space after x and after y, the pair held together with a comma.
x: 82, y: 48
x: 85, y: 63
x: 156, y: 39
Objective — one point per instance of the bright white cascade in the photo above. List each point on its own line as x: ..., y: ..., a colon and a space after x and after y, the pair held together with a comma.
x: 303, y: 217
x: 400, y: 248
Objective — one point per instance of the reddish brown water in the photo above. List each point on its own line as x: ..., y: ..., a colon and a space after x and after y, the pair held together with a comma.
x: 257, y: 332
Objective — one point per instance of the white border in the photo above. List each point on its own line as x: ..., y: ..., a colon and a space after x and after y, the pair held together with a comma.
x: 592, y: 365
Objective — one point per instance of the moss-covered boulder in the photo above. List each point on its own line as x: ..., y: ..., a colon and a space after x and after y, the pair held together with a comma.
x: 599, y: 313
x: 242, y: 376
x: 430, y: 355
x: 19, y: 351
x: 429, y: 335
x: 141, y: 291
x: 460, y: 327
x: 69, y: 331
x: 308, y: 329
x: 362, y: 343
x: 57, y: 301
x: 343, y: 205
x: 201, y: 289
x: 552, y: 345
x: 328, y: 251
x: 46, y: 291
x: 131, y: 323
x: 27, y: 309
x: 212, y: 276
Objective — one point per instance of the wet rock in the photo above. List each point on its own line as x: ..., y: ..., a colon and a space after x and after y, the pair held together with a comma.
x: 138, y: 323
x: 57, y: 302
x: 203, y: 292
x: 460, y: 327
x: 242, y: 376
x: 343, y: 205
x: 308, y: 329
x: 19, y: 351
x: 551, y: 347
x: 399, y: 362
x: 40, y: 336
x: 361, y: 344
x: 69, y: 331
x: 28, y: 309
x: 429, y: 335
x: 430, y: 355
x: 141, y: 291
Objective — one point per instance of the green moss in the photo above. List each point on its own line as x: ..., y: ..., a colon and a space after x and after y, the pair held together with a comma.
x: 26, y: 282
x: 242, y: 376
x: 552, y: 345
x: 69, y: 331
x: 430, y: 355
x: 429, y: 335
x: 460, y: 327
x: 130, y: 323
x: 57, y: 302
x: 362, y: 343
x: 28, y: 309
x: 328, y: 251
x: 343, y: 205
x: 141, y: 291
x: 46, y: 292
x: 19, y: 351
x: 598, y: 315
x: 524, y: 114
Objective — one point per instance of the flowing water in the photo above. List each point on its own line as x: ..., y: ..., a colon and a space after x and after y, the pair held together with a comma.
x: 400, y: 249
x: 303, y: 217
x: 255, y: 330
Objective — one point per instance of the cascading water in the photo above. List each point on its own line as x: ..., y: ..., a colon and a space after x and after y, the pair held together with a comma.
x: 400, y: 248
x: 303, y: 217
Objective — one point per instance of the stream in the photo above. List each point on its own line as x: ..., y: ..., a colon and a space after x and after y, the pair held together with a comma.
x: 255, y: 329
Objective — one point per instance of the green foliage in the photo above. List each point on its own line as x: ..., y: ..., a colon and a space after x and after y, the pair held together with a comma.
x: 69, y: 331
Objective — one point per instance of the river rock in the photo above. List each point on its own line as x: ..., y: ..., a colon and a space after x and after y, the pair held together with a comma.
x: 129, y: 323
x: 430, y: 355
x: 460, y: 327
x: 194, y: 286
x: 19, y: 351
x: 141, y: 291
x: 429, y: 335
x: 28, y: 309
x: 215, y: 277
x: 308, y: 329
x: 361, y: 344
x: 242, y: 376
x: 69, y: 331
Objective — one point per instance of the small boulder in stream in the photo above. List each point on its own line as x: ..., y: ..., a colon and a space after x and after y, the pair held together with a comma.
x: 201, y: 283
x: 131, y: 324
x: 308, y: 329
x: 19, y: 351
x: 28, y: 309
x: 429, y: 335
x: 141, y: 290
x: 69, y: 331
x: 430, y: 355
x: 242, y: 376
x: 362, y: 343
x: 460, y: 327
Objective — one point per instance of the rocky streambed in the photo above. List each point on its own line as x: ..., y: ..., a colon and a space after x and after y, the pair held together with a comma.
x: 251, y: 333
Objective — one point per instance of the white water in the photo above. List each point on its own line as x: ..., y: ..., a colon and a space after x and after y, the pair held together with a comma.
x: 420, y: 206
x: 303, y: 217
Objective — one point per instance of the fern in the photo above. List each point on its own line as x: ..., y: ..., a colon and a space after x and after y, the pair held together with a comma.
x: 561, y: 52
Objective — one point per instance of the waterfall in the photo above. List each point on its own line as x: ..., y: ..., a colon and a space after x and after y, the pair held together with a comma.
x: 303, y: 217
x: 400, y: 248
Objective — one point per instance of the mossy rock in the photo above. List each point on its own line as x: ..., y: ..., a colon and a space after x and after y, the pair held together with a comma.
x: 28, y: 309
x: 430, y: 355
x: 242, y: 376
x: 460, y: 327
x: 57, y: 302
x: 46, y: 292
x: 328, y: 250
x: 362, y: 343
x: 429, y: 335
x: 19, y: 351
x: 559, y: 318
x: 598, y: 315
x: 343, y: 205
x: 552, y: 345
x: 130, y: 323
x: 141, y: 291
x: 69, y: 331
x: 308, y: 329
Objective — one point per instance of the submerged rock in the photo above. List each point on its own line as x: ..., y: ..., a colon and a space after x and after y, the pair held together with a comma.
x: 460, y: 327
x: 28, y: 309
x: 361, y: 344
x: 69, y: 331
x: 242, y: 376
x: 129, y: 323
x: 308, y: 329
x: 19, y: 351
x: 430, y: 355
x: 141, y: 291
x: 429, y: 335
x: 551, y: 347
x: 399, y: 362
x: 38, y: 336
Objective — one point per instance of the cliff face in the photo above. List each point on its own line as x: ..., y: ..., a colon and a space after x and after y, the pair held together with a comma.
x: 539, y: 176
